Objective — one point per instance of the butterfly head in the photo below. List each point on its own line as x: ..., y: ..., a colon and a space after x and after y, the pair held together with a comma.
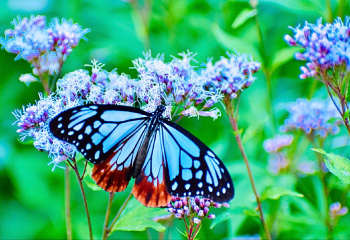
x: 160, y: 110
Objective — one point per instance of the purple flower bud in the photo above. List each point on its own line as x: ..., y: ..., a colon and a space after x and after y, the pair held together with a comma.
x: 211, y: 216
x: 196, y: 220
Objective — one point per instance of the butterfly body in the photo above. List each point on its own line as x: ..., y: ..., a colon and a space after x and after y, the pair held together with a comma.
x: 164, y: 158
x: 151, y: 128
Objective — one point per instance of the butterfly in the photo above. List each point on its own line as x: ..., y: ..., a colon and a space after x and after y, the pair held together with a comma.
x: 164, y: 158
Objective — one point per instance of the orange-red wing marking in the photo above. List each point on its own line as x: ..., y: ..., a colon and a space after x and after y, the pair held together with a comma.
x: 108, y: 177
x: 150, y: 192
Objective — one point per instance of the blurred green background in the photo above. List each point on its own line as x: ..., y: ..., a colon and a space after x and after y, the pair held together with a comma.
x: 32, y: 196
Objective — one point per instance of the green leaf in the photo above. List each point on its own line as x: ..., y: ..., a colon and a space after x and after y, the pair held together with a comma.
x: 338, y: 165
x: 137, y: 217
x: 243, y: 16
x: 277, y: 192
x: 234, y: 213
x: 299, y: 5
x: 283, y: 56
x: 233, y: 43
x: 89, y: 181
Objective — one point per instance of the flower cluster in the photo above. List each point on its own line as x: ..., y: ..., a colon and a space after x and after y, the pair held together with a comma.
x: 45, y: 47
x: 174, y: 83
x: 326, y: 46
x: 33, y: 123
x: 230, y: 75
x: 312, y: 117
x: 196, y: 208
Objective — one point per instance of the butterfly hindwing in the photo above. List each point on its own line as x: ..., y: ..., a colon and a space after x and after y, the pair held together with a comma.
x: 114, y: 173
x: 150, y: 185
x: 194, y: 170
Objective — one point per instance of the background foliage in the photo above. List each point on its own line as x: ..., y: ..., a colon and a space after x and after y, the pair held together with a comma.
x: 32, y: 196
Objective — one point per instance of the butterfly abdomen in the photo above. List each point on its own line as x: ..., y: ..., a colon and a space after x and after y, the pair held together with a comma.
x: 141, y: 155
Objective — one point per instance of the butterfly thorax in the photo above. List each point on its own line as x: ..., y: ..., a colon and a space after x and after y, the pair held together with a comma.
x: 152, y: 126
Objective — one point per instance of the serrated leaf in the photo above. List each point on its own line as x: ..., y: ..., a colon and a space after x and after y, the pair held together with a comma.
x: 338, y: 165
x: 233, y: 43
x: 277, y: 192
x: 243, y: 16
x: 137, y: 217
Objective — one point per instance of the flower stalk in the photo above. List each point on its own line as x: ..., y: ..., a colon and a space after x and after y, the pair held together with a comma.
x: 80, y: 181
x: 234, y: 125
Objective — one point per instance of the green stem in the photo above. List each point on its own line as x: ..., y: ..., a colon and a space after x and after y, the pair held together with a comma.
x: 108, y: 231
x: 322, y: 177
x: 67, y: 203
x: 75, y: 167
x: 265, y: 69
x: 108, y: 212
x: 235, y: 128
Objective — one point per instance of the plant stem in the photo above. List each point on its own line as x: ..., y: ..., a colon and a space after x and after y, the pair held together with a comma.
x: 108, y: 231
x: 265, y: 69
x: 233, y: 121
x: 75, y: 167
x: 322, y: 177
x: 67, y: 202
x: 105, y: 225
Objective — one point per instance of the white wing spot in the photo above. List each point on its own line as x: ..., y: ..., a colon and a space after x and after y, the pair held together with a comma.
x: 197, y: 192
x: 174, y: 186
x: 223, y: 190
x: 186, y: 174
x: 222, y: 170
x: 187, y: 186
x: 199, y: 174
x: 93, y: 107
x: 208, y: 178
x: 200, y: 184
x: 60, y: 119
x: 88, y: 130
x: 196, y: 164
x: 88, y: 146
x: 210, y: 189
x: 228, y: 185
x: 78, y: 127
x: 70, y: 133
x: 189, y: 193
x: 97, y: 154
x: 80, y: 137
x: 60, y: 125
x: 210, y: 153
x: 97, y: 124
x: 202, y: 192
x: 217, y: 193
x: 62, y: 131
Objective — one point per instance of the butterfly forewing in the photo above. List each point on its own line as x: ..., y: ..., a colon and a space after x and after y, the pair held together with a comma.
x: 194, y: 170
x: 97, y: 130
